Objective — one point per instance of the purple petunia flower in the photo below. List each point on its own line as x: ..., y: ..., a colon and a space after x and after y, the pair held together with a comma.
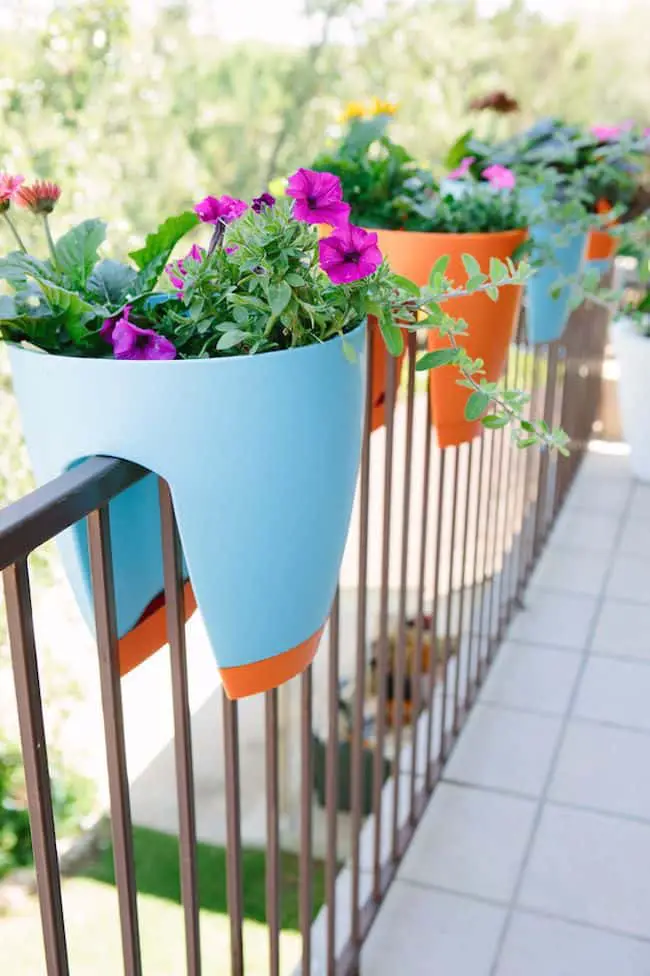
x: 131, y: 342
x: 177, y: 271
x: 318, y: 198
x: 265, y: 200
x: 225, y: 209
x: 349, y: 254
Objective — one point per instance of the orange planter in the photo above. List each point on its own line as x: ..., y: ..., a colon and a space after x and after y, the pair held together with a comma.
x: 601, y: 246
x: 490, y: 329
x: 491, y: 324
x: 150, y: 632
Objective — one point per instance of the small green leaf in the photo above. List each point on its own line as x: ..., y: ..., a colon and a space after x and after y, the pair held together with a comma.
x: 476, y: 405
x: 527, y: 426
x: 230, y: 339
x: 526, y: 442
x: 439, y: 357
x: 406, y: 285
x: 495, y: 421
x: 498, y: 270
x: 393, y: 336
x: 493, y: 293
x: 439, y: 268
x: 279, y: 297
x: 295, y: 280
x: 76, y: 252
x: 475, y: 282
x: 349, y: 351
x: 472, y: 267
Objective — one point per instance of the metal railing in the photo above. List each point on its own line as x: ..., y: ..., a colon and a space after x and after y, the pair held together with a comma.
x: 461, y: 530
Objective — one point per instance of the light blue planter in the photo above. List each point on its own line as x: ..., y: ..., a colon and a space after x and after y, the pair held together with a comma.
x: 546, y: 315
x: 601, y: 265
x: 261, y: 455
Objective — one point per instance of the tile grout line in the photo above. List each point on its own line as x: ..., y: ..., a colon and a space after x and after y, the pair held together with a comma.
x: 539, y: 913
x: 564, y: 725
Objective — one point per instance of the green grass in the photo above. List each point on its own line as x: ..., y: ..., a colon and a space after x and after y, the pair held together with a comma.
x: 91, y: 912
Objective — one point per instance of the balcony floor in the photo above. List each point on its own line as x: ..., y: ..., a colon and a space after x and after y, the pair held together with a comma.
x: 534, y: 854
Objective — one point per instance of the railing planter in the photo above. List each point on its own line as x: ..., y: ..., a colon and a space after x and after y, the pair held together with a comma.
x: 490, y: 328
x: 261, y: 455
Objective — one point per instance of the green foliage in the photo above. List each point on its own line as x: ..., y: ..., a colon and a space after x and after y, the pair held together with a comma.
x: 381, y: 181
x: 71, y: 801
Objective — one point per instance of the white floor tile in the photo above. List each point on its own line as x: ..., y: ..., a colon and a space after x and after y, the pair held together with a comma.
x: 635, y: 537
x: 615, y: 691
x: 585, y: 531
x: 532, y: 676
x: 601, y: 465
x: 470, y: 841
x: 588, y: 867
x: 537, y: 946
x: 572, y: 572
x: 639, y: 506
x: 604, y: 768
x: 420, y: 932
x: 623, y: 629
x: 629, y: 579
x: 558, y: 619
x: 604, y: 496
x: 505, y: 750
x: 367, y: 840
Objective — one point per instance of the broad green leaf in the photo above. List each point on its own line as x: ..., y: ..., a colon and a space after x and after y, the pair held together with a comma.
x: 152, y: 258
x: 439, y: 357
x: 76, y: 252
x: 439, y: 268
x: 17, y: 268
x: 77, y: 312
x: 472, y: 267
x: 476, y: 405
x: 112, y: 282
x: 232, y: 338
x: 495, y: 421
x: 279, y: 297
x: 8, y: 308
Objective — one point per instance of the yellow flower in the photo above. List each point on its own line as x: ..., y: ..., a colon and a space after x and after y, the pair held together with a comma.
x: 354, y: 110
x: 379, y: 107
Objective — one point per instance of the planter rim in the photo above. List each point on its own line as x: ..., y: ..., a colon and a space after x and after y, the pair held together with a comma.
x: 166, y: 364
x: 470, y: 235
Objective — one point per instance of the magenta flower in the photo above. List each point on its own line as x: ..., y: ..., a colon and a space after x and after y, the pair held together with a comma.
x: 500, y: 177
x: 131, y: 342
x: 177, y: 271
x: 318, y: 198
x: 225, y: 209
x: 349, y: 254
x: 462, y: 170
x: 265, y: 200
x: 609, y: 133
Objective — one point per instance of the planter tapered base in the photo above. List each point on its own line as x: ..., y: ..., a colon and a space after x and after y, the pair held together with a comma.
x: 150, y: 632
x: 251, y: 679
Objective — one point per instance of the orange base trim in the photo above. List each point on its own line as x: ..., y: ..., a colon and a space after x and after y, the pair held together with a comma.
x: 251, y: 679
x: 150, y: 632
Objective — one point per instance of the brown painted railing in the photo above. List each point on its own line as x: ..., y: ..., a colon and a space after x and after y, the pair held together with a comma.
x: 461, y: 530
